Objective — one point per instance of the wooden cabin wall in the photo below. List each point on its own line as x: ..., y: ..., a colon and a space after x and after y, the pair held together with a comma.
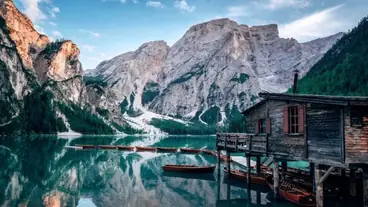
x: 356, y: 138
x: 280, y: 144
x: 324, y: 133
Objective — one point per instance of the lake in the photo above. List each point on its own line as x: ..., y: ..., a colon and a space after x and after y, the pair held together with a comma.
x: 40, y: 171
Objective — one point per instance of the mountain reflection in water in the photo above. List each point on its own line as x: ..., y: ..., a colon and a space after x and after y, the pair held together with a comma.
x: 39, y: 171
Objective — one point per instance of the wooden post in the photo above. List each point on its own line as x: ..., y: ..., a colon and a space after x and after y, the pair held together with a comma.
x: 352, y: 184
x: 228, y: 164
x: 343, y: 172
x: 276, y: 180
x: 228, y: 191
x: 311, y: 172
x: 284, y: 169
x: 218, y: 162
x: 365, y: 187
x: 248, y: 168
x: 319, y: 186
x: 258, y: 165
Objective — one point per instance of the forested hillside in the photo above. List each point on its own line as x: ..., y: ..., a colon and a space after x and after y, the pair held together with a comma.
x: 344, y: 68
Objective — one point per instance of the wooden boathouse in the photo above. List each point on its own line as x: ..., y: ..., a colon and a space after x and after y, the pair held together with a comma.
x: 329, y: 132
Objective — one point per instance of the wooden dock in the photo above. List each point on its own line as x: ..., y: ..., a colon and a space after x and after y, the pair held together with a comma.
x: 329, y: 132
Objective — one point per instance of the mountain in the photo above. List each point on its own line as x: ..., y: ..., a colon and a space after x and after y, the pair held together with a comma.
x: 42, y: 87
x: 215, y: 68
x: 200, y: 83
x: 343, y: 70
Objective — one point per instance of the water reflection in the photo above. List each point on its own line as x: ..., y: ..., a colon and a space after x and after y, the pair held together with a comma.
x: 39, y: 171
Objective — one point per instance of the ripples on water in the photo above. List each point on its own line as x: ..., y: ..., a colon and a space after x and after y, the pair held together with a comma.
x: 39, y: 171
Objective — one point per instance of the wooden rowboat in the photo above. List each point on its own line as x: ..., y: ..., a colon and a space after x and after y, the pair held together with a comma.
x: 189, y: 150
x: 125, y: 148
x: 242, y: 175
x: 294, y: 194
x: 189, y: 168
x: 209, y: 152
x: 107, y: 147
x: 166, y: 149
x: 145, y: 149
x: 86, y: 146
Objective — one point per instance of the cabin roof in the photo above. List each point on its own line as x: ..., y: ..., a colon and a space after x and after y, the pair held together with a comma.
x: 308, y: 98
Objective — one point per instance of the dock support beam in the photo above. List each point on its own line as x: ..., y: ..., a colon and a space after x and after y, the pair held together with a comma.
x: 228, y: 164
x: 258, y: 165
x: 365, y: 187
x: 284, y: 169
x: 311, y: 172
x: 319, y: 186
x: 352, y: 184
x: 276, y: 180
x: 248, y: 168
x: 218, y: 162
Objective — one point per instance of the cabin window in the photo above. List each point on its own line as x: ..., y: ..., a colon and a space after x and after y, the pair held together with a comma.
x: 262, y: 126
x: 356, y: 120
x: 294, y: 119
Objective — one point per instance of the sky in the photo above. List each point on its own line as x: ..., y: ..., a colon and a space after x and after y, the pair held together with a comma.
x: 103, y: 29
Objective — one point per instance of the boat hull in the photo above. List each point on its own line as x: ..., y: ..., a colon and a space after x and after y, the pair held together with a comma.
x: 188, y: 150
x: 188, y: 168
x: 166, y: 149
x: 107, y: 147
x: 241, y: 175
x: 125, y: 148
x: 145, y: 149
x: 296, y: 196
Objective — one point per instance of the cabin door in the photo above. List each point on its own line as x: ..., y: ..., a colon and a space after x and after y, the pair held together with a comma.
x: 324, y: 133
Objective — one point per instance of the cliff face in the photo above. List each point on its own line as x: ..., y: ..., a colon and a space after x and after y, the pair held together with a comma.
x: 13, y: 81
x: 31, y: 65
x: 28, y: 41
x: 217, y: 64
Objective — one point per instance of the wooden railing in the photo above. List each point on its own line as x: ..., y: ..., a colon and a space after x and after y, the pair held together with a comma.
x: 242, y: 142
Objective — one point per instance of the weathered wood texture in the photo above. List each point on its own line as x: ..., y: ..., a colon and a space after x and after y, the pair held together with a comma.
x: 356, y: 138
x: 324, y: 133
x: 279, y: 144
x: 319, y: 186
x: 276, y: 180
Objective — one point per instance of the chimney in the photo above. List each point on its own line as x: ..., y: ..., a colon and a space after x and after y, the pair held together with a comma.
x: 296, y: 76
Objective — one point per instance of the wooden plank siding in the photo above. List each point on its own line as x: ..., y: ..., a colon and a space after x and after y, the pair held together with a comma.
x: 356, y: 138
x: 324, y: 134
x: 279, y: 144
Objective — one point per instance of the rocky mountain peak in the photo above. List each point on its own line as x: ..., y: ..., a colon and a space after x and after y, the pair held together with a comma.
x: 28, y: 41
x: 58, y: 61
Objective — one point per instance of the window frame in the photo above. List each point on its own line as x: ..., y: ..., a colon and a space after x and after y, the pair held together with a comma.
x: 262, y: 124
x: 293, y: 120
x: 356, y: 116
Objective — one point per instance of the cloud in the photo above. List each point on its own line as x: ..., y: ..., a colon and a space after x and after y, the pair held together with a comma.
x: 53, y: 11
x: 95, y: 34
x: 32, y: 9
x: 122, y: 1
x: 89, y: 48
x: 53, y: 23
x: 238, y: 11
x: 155, y: 4
x: 183, y: 6
x: 278, y: 4
x: 319, y: 24
x: 56, y: 34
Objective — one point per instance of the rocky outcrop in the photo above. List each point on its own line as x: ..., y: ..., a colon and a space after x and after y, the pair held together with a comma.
x: 28, y: 41
x: 215, y: 64
x: 14, y: 83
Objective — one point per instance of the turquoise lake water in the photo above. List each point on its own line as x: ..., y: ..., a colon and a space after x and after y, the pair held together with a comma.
x: 40, y: 171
